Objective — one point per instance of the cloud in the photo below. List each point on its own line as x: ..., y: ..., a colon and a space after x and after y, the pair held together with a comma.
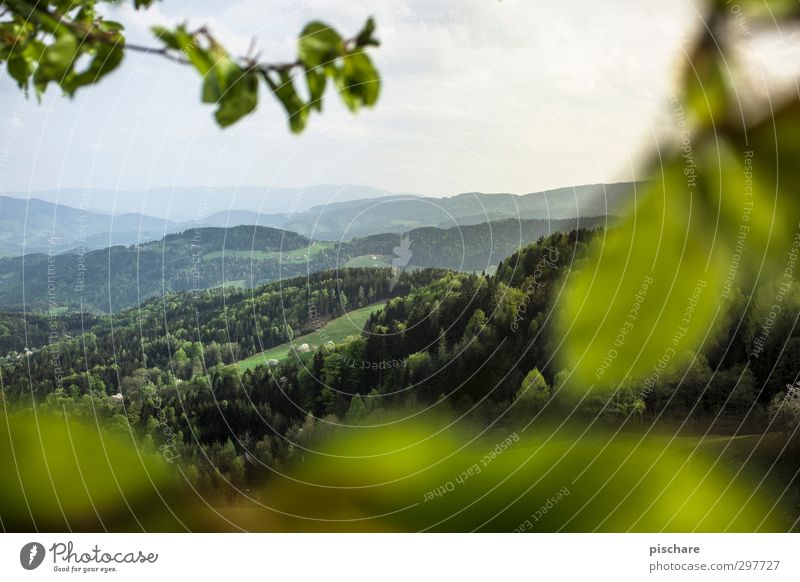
x: 477, y: 94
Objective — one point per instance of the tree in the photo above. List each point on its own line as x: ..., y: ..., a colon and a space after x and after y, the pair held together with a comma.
x: 475, y: 325
x: 357, y: 410
x: 784, y: 411
x: 533, y: 394
x: 71, y: 44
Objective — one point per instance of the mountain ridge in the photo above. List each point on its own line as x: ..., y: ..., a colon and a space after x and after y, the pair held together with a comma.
x: 34, y: 225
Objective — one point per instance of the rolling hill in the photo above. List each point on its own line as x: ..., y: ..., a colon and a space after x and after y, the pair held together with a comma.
x: 105, y: 281
x: 401, y: 213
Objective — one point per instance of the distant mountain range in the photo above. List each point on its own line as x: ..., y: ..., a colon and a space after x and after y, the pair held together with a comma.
x: 36, y: 226
x: 192, y: 203
x: 358, y: 218
x: 331, y: 213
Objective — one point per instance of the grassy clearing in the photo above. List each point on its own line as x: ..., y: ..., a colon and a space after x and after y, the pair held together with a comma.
x: 335, y: 330
x: 370, y: 261
x: 239, y: 254
x: 290, y: 257
x: 236, y: 284
x: 315, y: 248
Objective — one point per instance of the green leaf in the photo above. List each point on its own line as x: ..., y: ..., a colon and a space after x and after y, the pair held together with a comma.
x: 772, y: 150
x: 316, y: 88
x: 616, y: 483
x: 240, y: 99
x: 111, y: 26
x: 20, y: 69
x: 285, y: 92
x: 101, y: 480
x: 319, y: 45
x: 57, y: 59
x: 34, y: 50
x: 725, y: 213
x: 705, y: 86
x: 202, y: 59
x: 218, y: 79
x: 365, y: 38
x: 166, y: 36
x: 358, y: 81
x: 769, y: 9
x: 106, y: 58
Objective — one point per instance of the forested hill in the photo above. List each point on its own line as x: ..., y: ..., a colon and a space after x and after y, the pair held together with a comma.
x: 476, y: 247
x: 118, y: 277
x: 106, y: 281
x: 359, y: 218
x: 182, y: 334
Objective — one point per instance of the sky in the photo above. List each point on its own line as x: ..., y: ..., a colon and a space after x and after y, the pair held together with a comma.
x: 477, y: 95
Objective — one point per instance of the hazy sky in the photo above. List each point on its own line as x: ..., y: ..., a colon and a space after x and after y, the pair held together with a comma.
x: 478, y: 95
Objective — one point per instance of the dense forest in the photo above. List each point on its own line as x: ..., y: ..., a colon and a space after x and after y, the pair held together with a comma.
x: 480, y: 345
x: 183, y: 334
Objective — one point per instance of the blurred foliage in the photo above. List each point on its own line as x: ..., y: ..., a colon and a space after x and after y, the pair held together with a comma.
x: 721, y: 209
x: 423, y: 475
x: 61, y: 474
x: 72, y: 45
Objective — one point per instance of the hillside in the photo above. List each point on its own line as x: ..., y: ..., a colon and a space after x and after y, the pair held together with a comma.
x: 105, y: 281
x: 335, y: 330
x: 181, y: 334
x: 474, y: 247
x: 118, y: 277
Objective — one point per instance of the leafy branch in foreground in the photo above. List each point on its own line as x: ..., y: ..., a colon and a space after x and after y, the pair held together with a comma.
x: 70, y: 44
x: 721, y: 211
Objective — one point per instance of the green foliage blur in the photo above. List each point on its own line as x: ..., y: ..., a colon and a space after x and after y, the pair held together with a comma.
x: 427, y: 475
x: 720, y: 211
x: 84, y: 474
